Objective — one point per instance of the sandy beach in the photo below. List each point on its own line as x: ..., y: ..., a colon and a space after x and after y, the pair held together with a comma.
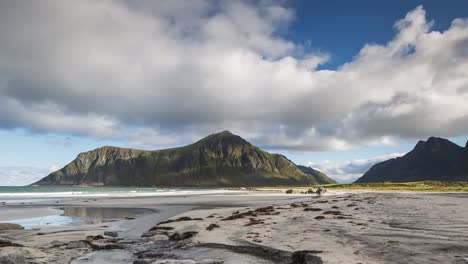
x: 251, y: 227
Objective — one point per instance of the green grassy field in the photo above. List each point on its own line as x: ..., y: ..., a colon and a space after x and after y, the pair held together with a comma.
x: 425, y: 186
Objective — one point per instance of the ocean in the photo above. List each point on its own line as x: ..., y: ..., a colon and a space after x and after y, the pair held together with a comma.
x: 10, y: 194
x: 17, y: 204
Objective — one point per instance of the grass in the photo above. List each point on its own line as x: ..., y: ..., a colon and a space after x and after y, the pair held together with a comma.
x: 424, y: 186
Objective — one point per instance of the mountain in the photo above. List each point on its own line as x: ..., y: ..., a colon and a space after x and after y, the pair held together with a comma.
x: 436, y: 159
x: 221, y: 159
x: 317, y: 175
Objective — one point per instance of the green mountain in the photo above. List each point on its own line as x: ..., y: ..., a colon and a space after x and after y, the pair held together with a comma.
x: 436, y: 159
x: 221, y: 159
x: 318, y: 176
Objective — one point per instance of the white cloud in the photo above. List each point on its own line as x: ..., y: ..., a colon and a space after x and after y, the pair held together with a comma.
x: 19, y: 176
x: 167, y: 71
x: 350, y: 171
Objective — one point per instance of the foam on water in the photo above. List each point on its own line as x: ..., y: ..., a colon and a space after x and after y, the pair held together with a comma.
x: 43, y: 192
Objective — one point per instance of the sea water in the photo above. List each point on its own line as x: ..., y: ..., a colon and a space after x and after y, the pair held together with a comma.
x: 22, y: 198
x: 27, y: 194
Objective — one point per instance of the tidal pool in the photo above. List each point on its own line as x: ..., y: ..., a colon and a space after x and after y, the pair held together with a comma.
x: 81, y: 216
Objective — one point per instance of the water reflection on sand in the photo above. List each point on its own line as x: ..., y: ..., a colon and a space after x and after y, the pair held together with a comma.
x: 103, y: 214
x: 82, y: 215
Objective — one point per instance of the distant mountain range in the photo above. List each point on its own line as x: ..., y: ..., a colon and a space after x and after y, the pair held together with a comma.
x: 436, y: 159
x: 219, y: 160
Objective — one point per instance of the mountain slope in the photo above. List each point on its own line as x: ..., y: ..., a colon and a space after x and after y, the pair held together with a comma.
x: 317, y: 175
x: 221, y: 159
x: 436, y: 159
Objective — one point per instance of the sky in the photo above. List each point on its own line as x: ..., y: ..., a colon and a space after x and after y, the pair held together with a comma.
x: 336, y: 85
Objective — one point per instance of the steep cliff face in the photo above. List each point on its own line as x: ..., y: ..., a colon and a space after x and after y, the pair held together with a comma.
x: 436, y: 159
x: 221, y: 159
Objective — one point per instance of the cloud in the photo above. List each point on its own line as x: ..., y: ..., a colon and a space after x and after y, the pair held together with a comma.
x: 351, y: 170
x: 19, y: 176
x: 60, y: 141
x: 152, y: 71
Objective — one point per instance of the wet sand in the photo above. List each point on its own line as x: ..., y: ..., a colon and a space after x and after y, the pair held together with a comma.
x: 341, y: 227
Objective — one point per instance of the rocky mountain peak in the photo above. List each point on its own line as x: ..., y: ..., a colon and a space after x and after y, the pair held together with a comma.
x: 434, y: 144
x: 224, y: 138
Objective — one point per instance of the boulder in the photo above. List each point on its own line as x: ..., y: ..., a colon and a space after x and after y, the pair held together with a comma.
x: 304, y: 257
x: 177, y: 236
x: 93, y: 238
x: 111, y: 233
x: 77, y: 244
x: 10, y: 226
x: 212, y: 226
x: 20, y: 255
x: 150, y: 233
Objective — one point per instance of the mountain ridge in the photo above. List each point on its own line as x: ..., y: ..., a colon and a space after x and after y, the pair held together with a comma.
x: 436, y: 159
x: 218, y: 160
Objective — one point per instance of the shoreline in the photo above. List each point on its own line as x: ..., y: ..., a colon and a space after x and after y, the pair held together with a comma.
x: 362, y: 227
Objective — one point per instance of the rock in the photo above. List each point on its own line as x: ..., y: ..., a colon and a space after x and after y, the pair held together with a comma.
x: 142, y: 261
x: 212, y: 226
x: 176, y: 236
x: 320, y: 190
x: 461, y: 261
x: 305, y: 257
x: 150, y: 233
x: 111, y: 233
x: 254, y: 221
x: 6, y: 243
x: 332, y: 213
x: 320, y: 217
x: 92, y: 238
x: 265, y: 209
x: 126, y: 242
x: 106, y: 257
x: 20, y: 255
x: 159, y: 238
x: 14, y: 258
x: 238, y: 215
x: 175, y: 261
x: 77, y: 244
x: 161, y: 228
x: 210, y: 261
x: 10, y: 226
x: 104, y: 246
x: 313, y: 209
x: 180, y: 219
